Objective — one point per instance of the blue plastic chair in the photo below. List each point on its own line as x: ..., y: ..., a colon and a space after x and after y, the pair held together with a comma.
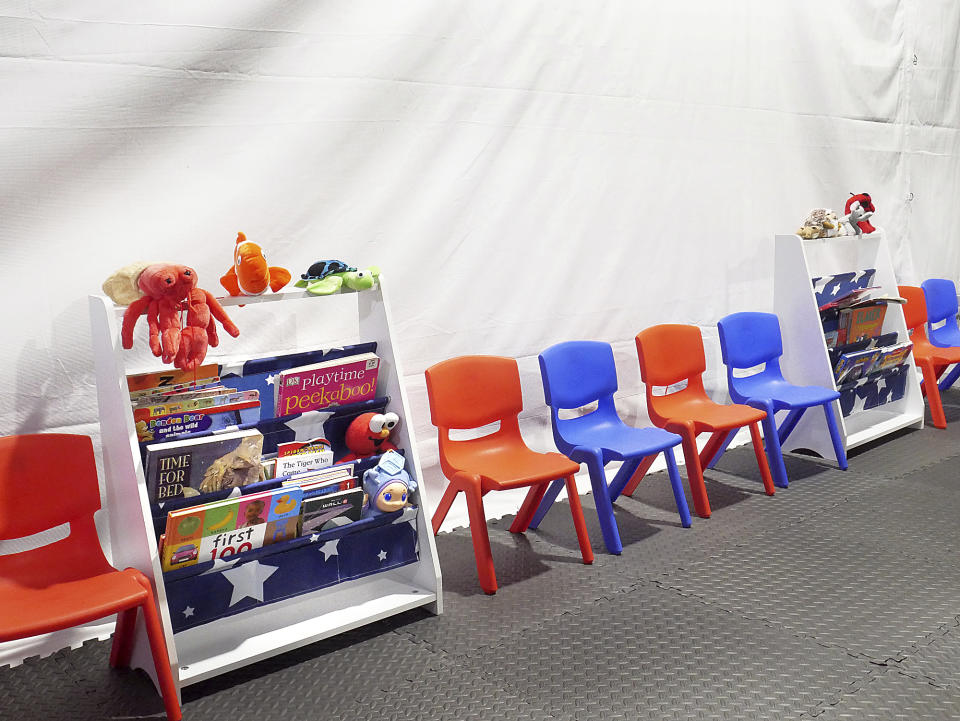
x: 941, y: 297
x: 749, y: 339
x: 576, y: 374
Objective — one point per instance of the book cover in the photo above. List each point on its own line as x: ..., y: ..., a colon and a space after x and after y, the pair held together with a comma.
x: 893, y: 356
x: 853, y: 365
x: 174, y: 466
x: 213, y: 418
x: 261, y: 374
x: 300, y: 456
x: 331, y: 510
x: 232, y: 525
x: 331, y: 383
x: 171, y: 377
x: 865, y: 321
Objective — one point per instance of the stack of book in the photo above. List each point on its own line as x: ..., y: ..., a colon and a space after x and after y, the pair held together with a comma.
x: 176, y: 403
x: 856, y: 364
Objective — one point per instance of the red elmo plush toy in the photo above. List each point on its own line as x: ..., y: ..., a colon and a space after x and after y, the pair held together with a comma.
x: 367, y: 435
x: 168, y: 291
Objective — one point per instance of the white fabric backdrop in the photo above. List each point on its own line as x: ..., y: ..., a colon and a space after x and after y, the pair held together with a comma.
x: 525, y: 172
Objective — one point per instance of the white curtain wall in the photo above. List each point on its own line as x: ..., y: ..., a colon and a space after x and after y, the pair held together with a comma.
x: 525, y: 172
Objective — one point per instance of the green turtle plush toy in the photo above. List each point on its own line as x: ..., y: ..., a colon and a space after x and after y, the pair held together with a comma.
x: 328, y: 276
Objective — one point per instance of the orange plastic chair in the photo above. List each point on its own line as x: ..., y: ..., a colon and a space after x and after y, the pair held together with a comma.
x: 932, y: 361
x: 471, y: 392
x: 673, y: 353
x: 47, y: 480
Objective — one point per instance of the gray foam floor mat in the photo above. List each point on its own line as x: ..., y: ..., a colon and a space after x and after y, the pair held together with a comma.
x: 837, y: 598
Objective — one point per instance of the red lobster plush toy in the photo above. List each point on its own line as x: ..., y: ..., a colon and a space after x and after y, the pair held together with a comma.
x: 858, y: 209
x: 169, y: 290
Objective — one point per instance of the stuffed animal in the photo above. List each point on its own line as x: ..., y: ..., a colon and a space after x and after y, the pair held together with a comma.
x: 368, y: 434
x: 328, y: 276
x: 820, y: 223
x: 167, y: 290
x: 388, y: 487
x: 858, y: 209
x: 250, y: 274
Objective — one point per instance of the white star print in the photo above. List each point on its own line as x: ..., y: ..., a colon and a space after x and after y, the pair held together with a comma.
x: 248, y: 580
x: 188, y: 612
x: 330, y: 549
x: 382, y: 555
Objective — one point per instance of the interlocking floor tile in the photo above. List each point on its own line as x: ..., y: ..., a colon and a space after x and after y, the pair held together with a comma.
x: 650, y: 653
x: 891, y: 695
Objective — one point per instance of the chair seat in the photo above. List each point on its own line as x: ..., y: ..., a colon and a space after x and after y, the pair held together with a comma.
x: 924, y: 350
x: 501, y: 466
x: 705, y: 413
x: 617, y: 440
x: 28, y: 611
x: 783, y: 394
x: 947, y: 336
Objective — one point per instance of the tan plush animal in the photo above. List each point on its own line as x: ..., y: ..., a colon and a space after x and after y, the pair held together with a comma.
x: 820, y: 223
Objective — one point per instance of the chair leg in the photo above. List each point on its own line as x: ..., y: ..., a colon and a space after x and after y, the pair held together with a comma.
x: 601, y: 499
x: 838, y: 448
x: 677, y: 484
x: 691, y: 456
x: 761, y: 458
x: 950, y: 378
x: 122, y: 645
x: 730, y: 435
x: 631, y: 487
x: 576, y: 509
x: 626, y: 473
x: 158, y: 649
x: 444, y: 507
x: 534, y: 495
x: 774, y: 451
x: 712, y: 450
x: 481, y: 540
x: 546, y: 503
x: 933, y: 394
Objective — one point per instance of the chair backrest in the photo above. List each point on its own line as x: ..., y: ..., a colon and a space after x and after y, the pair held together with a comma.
x: 941, y: 297
x: 473, y: 391
x: 915, y: 309
x: 577, y: 373
x: 46, y: 480
x: 670, y: 353
x: 749, y: 339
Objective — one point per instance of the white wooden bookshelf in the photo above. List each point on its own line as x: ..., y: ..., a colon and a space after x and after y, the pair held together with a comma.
x: 306, y: 322
x: 805, y: 358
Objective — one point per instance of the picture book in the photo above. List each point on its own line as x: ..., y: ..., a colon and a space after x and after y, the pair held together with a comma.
x: 299, y: 456
x: 847, y: 299
x: 261, y: 374
x: 170, y: 378
x: 853, y: 365
x: 245, y: 409
x: 171, y: 467
x: 331, y: 510
x: 893, y: 356
x: 232, y: 525
x: 865, y: 321
x: 331, y: 383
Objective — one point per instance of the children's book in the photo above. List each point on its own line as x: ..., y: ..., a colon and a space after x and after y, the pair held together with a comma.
x: 261, y: 374
x: 177, y: 465
x: 232, y: 525
x: 245, y: 409
x: 853, y: 365
x: 300, y: 456
x: 331, y: 383
x: 170, y: 378
x: 865, y: 321
x: 330, y: 510
x: 831, y: 287
x: 892, y: 356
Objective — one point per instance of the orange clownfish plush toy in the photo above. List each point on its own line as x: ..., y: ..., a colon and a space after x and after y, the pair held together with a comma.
x: 250, y: 274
